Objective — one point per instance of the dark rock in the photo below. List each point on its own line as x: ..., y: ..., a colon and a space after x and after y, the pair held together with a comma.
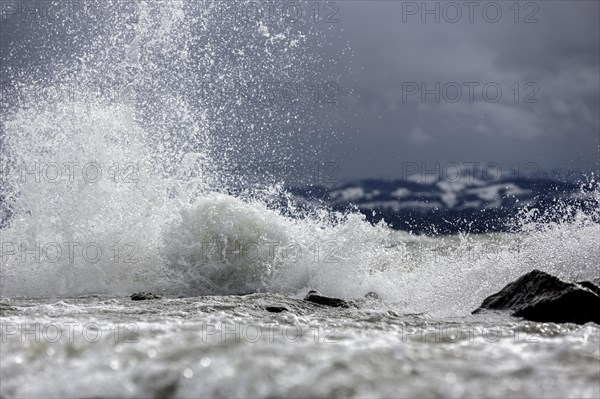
x: 590, y: 286
x: 539, y: 296
x: 372, y: 295
x: 315, y: 297
x: 276, y: 309
x: 142, y: 296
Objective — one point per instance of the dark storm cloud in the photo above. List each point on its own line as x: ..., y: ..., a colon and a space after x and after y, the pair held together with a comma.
x: 548, y: 71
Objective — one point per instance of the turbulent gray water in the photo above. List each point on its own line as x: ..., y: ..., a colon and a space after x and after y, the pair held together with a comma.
x: 128, y: 181
x: 418, y: 340
x: 229, y: 346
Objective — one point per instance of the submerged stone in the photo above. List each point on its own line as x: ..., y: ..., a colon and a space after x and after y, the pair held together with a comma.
x: 142, y: 296
x: 276, y: 309
x: 316, y: 297
x: 372, y: 295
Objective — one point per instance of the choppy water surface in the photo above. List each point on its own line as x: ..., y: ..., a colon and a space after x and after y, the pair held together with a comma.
x: 229, y: 346
x: 131, y: 182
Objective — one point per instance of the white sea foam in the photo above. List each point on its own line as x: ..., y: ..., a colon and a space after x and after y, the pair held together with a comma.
x: 111, y: 196
x: 114, y: 195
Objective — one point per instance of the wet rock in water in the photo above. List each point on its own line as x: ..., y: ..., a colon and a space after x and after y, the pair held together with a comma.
x: 316, y: 297
x: 276, y: 309
x: 539, y: 296
x: 590, y: 286
x: 372, y: 295
x: 142, y: 296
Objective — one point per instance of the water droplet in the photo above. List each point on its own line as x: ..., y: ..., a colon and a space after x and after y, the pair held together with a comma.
x: 205, y: 362
x: 188, y: 373
x: 450, y: 378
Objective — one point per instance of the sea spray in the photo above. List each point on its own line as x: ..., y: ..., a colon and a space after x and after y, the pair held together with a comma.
x: 137, y: 180
x: 131, y: 120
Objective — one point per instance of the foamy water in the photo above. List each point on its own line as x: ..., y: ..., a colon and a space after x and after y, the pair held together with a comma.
x: 109, y: 195
x: 230, y: 346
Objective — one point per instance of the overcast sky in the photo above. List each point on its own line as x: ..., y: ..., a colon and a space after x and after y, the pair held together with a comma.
x: 542, y: 55
x: 552, y: 120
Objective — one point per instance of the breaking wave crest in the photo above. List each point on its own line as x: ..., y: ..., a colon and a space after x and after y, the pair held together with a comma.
x: 105, y: 194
